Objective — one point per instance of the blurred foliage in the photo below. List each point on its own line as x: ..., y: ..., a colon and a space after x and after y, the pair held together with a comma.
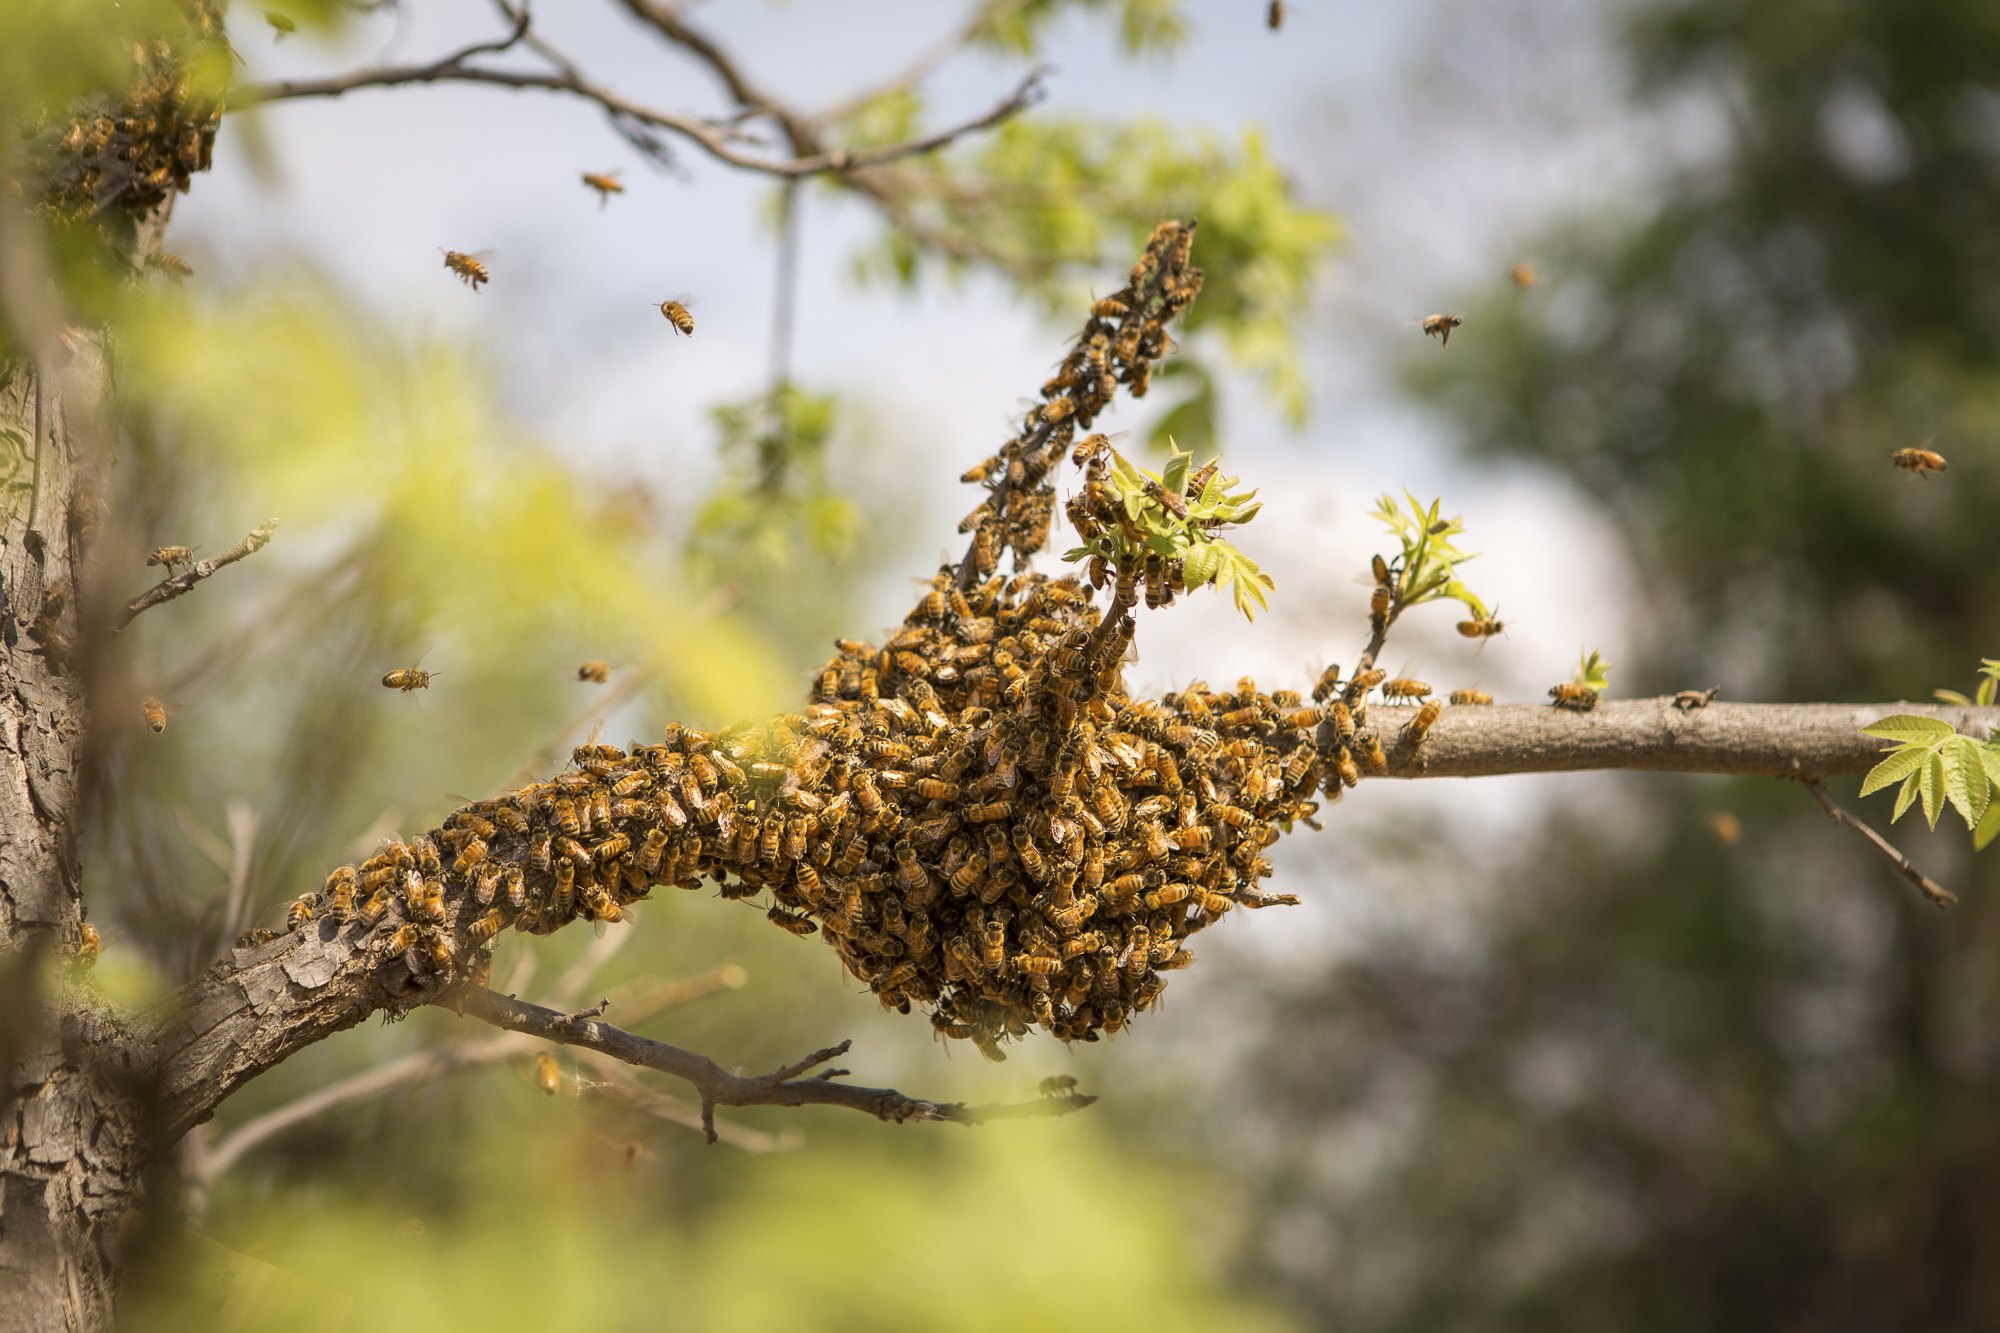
x: 1683, y: 1078
x: 774, y: 508
x: 1022, y: 27
x: 1047, y: 200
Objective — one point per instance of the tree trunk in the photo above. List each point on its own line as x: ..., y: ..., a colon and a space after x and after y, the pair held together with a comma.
x: 69, y: 1154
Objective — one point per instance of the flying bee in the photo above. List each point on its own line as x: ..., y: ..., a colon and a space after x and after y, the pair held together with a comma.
x: 470, y: 269
x: 1575, y: 698
x: 1274, y: 17
x: 1923, y: 462
x: 606, y: 183
x: 594, y: 671
x: 409, y: 678
x: 678, y: 316
x: 1404, y: 688
x: 548, y: 1074
x: 169, y: 556
x: 1471, y: 697
x: 155, y: 713
x: 1481, y: 628
x: 1420, y: 725
x: 1440, y: 327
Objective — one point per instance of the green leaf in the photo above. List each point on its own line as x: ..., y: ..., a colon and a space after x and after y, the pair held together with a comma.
x: 1899, y: 765
x: 1911, y: 786
x: 1908, y: 727
x: 1952, y: 697
x: 1989, y: 828
x: 1203, y: 563
x: 1965, y: 781
x: 1989, y: 759
x: 1985, y: 695
x: 1931, y: 777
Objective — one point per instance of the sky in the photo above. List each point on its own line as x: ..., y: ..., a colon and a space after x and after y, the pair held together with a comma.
x: 1444, y: 133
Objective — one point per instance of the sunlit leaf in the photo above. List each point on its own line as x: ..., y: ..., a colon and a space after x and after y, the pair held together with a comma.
x: 1908, y: 726
x: 1899, y: 765
x: 1965, y: 781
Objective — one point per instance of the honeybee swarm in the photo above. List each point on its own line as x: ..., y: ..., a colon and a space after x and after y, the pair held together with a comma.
x: 975, y: 816
x: 131, y: 152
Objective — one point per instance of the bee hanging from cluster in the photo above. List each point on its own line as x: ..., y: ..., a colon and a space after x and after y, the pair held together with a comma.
x: 1125, y: 334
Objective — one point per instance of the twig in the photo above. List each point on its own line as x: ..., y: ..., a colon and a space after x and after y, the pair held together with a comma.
x: 1930, y: 888
x: 168, y: 589
x: 594, y: 1011
x: 715, y: 141
x: 719, y: 1087
x: 623, y: 1083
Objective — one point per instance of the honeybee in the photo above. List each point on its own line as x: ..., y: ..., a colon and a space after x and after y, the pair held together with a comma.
x: 405, y: 938
x: 795, y: 922
x: 1109, y: 308
x: 1576, y: 698
x: 485, y: 927
x: 678, y: 316
x: 1362, y: 682
x: 169, y: 556
x: 471, y: 269
x: 409, y: 678
x: 339, y: 893
x: 469, y: 856
x: 1463, y: 697
x: 1404, y: 688
x: 594, y: 671
x: 251, y: 939
x: 606, y: 183
x: 155, y: 713
x: 1523, y: 276
x: 1923, y: 462
x: 172, y: 265
x: 548, y: 1074
x: 1420, y: 725
x: 300, y: 912
x: 1371, y: 752
x: 1274, y: 17
x: 442, y: 956
x: 370, y: 913
x: 1440, y: 327
x: 1481, y: 629
x: 1327, y: 684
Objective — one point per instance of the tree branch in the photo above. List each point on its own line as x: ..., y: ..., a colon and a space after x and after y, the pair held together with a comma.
x: 1932, y: 890
x: 719, y: 1087
x: 716, y: 140
x: 1768, y: 740
x: 168, y: 589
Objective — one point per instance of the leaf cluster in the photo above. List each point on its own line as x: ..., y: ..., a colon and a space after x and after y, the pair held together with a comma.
x: 775, y: 504
x: 1173, y: 515
x: 1935, y: 763
x: 1593, y: 673
x: 1427, y: 569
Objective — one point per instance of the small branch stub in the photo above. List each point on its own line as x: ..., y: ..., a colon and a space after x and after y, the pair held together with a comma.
x: 168, y: 589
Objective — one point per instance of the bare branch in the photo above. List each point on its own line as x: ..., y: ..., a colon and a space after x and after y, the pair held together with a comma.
x: 1930, y: 888
x: 623, y: 1083
x: 719, y: 1087
x: 168, y: 589
x: 718, y: 141
x: 1768, y: 740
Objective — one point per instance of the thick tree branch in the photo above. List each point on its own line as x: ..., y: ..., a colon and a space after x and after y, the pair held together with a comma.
x: 168, y: 589
x: 1930, y: 888
x: 719, y: 1087
x: 1768, y: 740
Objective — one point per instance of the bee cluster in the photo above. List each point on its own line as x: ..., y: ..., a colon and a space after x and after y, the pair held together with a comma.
x: 160, y: 131
x: 1125, y: 334
x: 976, y: 816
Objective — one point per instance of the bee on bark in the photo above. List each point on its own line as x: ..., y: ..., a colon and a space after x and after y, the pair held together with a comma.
x: 485, y: 927
x: 1471, y: 697
x: 1404, y: 688
x: 1575, y: 698
x: 470, y: 269
x: 370, y: 913
x: 678, y: 316
x: 1440, y: 327
x: 606, y: 183
x: 338, y: 893
x: 300, y: 912
x: 1922, y: 462
x: 1420, y: 725
x: 170, y: 556
x: 251, y: 939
